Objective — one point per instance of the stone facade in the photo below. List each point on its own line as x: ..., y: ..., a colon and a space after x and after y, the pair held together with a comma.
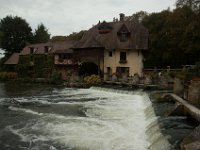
x: 194, y: 93
x: 178, y: 88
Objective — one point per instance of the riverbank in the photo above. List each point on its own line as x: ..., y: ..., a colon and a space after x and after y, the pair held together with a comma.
x: 190, y: 141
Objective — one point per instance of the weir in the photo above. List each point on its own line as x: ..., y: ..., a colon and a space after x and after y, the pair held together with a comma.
x: 96, y: 118
x: 157, y: 141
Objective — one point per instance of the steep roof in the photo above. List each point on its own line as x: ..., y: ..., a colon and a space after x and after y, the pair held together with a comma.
x: 62, y: 46
x: 13, y: 59
x: 54, y: 47
x: 93, y: 39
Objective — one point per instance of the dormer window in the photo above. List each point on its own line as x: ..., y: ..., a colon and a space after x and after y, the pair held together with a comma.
x: 123, y: 33
x: 104, y: 28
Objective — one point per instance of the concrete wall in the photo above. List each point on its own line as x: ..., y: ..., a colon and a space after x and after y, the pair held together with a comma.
x: 134, y: 61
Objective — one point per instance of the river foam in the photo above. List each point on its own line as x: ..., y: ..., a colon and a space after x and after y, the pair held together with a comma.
x: 116, y: 120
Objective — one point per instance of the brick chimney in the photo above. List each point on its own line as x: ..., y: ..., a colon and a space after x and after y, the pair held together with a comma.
x: 121, y: 16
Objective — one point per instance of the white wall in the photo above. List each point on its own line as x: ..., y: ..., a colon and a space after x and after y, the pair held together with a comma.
x: 134, y: 61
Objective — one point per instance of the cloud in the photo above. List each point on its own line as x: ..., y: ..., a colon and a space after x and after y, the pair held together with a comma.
x: 63, y: 17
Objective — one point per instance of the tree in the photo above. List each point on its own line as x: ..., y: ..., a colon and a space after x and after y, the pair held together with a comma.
x: 41, y: 34
x: 174, y: 38
x: 15, y: 33
x: 58, y: 38
x: 158, y: 54
x: 193, y: 4
x: 73, y: 36
x: 76, y: 35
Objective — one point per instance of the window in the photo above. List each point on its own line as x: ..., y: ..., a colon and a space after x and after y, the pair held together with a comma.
x: 123, y: 58
x: 46, y: 49
x: 65, y: 56
x: 31, y: 50
x: 123, y: 33
x: 123, y: 37
x: 110, y: 54
x: 121, y: 71
x: 122, y: 55
x: 109, y: 71
x: 31, y: 57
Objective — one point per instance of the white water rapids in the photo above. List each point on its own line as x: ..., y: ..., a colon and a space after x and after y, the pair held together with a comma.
x: 104, y: 120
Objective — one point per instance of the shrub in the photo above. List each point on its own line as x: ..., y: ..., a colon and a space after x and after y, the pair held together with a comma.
x: 92, y: 80
x: 8, y: 75
x: 56, y: 78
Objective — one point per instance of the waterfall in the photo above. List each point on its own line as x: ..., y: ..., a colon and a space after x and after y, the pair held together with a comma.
x: 156, y: 140
x: 87, y: 119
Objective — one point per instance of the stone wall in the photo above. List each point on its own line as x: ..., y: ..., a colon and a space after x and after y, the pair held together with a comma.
x: 178, y: 87
x: 194, y: 93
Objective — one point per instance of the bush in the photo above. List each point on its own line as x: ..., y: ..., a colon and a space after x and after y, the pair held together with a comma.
x: 8, y: 75
x: 56, y: 78
x: 191, y: 73
x: 92, y: 80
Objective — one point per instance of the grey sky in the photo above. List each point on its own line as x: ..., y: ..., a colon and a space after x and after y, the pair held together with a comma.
x: 63, y: 17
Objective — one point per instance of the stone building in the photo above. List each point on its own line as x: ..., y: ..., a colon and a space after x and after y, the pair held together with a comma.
x: 107, y: 49
x: 117, y: 47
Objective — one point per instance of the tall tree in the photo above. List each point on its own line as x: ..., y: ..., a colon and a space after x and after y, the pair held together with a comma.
x: 193, y: 4
x: 76, y: 35
x: 174, y: 38
x: 58, y: 38
x: 41, y: 34
x: 15, y: 33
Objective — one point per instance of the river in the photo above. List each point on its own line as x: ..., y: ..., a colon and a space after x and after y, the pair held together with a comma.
x: 43, y: 117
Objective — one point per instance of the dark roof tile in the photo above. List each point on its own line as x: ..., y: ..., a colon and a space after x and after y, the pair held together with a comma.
x: 13, y: 59
x: 138, y: 37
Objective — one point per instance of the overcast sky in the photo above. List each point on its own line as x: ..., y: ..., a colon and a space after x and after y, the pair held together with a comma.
x: 63, y: 17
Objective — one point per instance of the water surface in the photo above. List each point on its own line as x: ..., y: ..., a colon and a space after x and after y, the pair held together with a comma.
x: 41, y: 117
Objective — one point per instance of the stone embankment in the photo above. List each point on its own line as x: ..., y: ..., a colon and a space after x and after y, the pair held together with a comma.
x: 192, y: 141
x: 191, y: 109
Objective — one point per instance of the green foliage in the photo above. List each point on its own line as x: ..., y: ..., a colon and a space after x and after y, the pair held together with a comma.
x: 56, y: 77
x: 73, y: 36
x: 138, y: 16
x: 193, y: 4
x: 41, y: 34
x: 174, y: 38
x: 193, y: 73
x: 58, y: 38
x: 37, y: 66
x: 92, y: 80
x: 158, y: 98
x: 76, y: 35
x: 15, y: 32
x: 8, y: 75
x: 189, y: 73
x: 23, y: 66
